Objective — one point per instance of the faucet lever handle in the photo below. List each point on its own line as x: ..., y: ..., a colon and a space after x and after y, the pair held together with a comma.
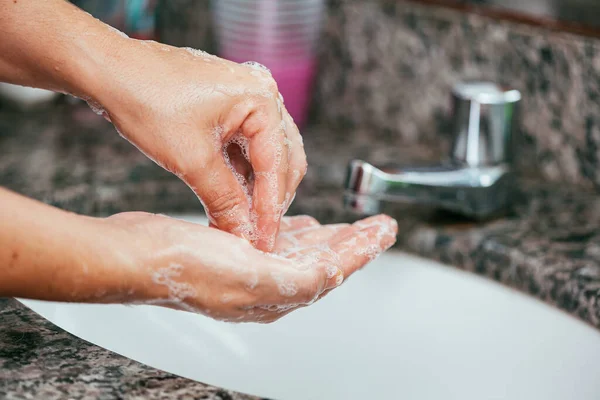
x: 483, y: 123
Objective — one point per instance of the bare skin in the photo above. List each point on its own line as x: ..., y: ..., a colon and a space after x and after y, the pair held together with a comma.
x: 142, y: 258
x: 182, y: 108
x: 177, y: 106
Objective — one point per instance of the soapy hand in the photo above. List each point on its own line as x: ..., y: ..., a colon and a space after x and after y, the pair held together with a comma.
x: 194, y: 268
x: 220, y: 126
x: 223, y: 129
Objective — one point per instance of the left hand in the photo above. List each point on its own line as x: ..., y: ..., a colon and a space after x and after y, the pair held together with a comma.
x: 191, y: 267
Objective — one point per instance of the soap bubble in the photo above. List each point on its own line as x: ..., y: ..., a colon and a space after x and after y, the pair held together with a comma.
x: 257, y: 66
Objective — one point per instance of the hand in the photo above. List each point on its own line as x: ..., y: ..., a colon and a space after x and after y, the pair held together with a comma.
x: 194, y: 268
x: 181, y: 107
x: 218, y: 125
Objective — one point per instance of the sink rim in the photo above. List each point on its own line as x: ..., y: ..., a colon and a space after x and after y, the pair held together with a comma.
x: 460, y: 274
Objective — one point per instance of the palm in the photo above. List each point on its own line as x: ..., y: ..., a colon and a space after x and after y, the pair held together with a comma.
x: 343, y: 246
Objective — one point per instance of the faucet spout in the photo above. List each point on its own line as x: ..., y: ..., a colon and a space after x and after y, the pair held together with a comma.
x: 477, y: 192
x: 477, y: 181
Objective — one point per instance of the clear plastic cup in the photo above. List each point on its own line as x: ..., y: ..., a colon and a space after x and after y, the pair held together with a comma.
x: 281, y: 34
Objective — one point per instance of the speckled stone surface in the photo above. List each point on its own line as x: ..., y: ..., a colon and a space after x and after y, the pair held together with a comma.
x: 548, y: 245
x: 41, y: 361
x: 386, y: 70
x: 389, y: 65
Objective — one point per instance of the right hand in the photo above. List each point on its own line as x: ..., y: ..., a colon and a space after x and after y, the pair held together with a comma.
x: 182, y: 108
x: 194, y: 268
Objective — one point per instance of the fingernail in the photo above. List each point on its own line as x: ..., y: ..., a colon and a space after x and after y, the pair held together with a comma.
x: 389, y: 243
x: 339, y: 279
x: 331, y: 271
x: 335, y: 277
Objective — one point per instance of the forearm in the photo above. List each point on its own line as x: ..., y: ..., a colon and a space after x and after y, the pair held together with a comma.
x: 51, y: 254
x: 51, y: 44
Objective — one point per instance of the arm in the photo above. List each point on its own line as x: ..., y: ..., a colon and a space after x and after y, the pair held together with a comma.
x: 182, y: 108
x: 50, y: 254
x: 53, y: 45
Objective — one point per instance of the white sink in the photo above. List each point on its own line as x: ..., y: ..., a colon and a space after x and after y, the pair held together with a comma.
x: 403, y: 328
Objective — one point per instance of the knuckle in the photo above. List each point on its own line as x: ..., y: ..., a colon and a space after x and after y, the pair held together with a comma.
x: 255, y: 122
x: 222, y: 201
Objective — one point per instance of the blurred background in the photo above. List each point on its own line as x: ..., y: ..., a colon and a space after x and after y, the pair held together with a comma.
x: 363, y: 79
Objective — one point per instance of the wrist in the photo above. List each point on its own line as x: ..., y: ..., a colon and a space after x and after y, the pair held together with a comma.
x: 125, y: 259
x: 53, y: 45
x: 110, y: 79
x: 96, y: 64
x: 83, y: 59
x: 107, y: 260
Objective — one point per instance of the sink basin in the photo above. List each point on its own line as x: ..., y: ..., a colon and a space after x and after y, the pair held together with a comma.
x: 404, y: 327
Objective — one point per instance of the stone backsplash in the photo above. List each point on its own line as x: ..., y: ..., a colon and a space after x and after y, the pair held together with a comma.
x: 387, y: 67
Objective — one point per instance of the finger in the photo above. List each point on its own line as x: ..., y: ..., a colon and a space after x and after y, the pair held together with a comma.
x: 283, y: 244
x: 286, y: 282
x: 222, y: 195
x: 357, y: 246
x: 297, y: 160
x: 264, y: 314
x: 325, y: 293
x: 372, y: 236
x: 254, y: 314
x: 299, y: 242
x: 286, y: 288
x: 297, y: 222
x: 288, y: 245
x: 349, y: 248
x: 270, y: 314
x: 310, y: 237
x: 269, y: 159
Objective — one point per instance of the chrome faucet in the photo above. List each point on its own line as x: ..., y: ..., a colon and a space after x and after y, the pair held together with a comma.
x: 478, y: 178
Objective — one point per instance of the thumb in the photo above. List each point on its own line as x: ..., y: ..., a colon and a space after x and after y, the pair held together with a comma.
x: 223, y: 196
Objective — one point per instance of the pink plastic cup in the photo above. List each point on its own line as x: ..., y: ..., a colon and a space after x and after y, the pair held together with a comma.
x: 280, y: 34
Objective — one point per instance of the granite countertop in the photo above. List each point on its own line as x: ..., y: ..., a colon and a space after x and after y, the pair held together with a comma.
x: 548, y: 245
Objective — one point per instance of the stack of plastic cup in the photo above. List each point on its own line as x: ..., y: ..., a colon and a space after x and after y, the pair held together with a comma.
x: 280, y: 34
